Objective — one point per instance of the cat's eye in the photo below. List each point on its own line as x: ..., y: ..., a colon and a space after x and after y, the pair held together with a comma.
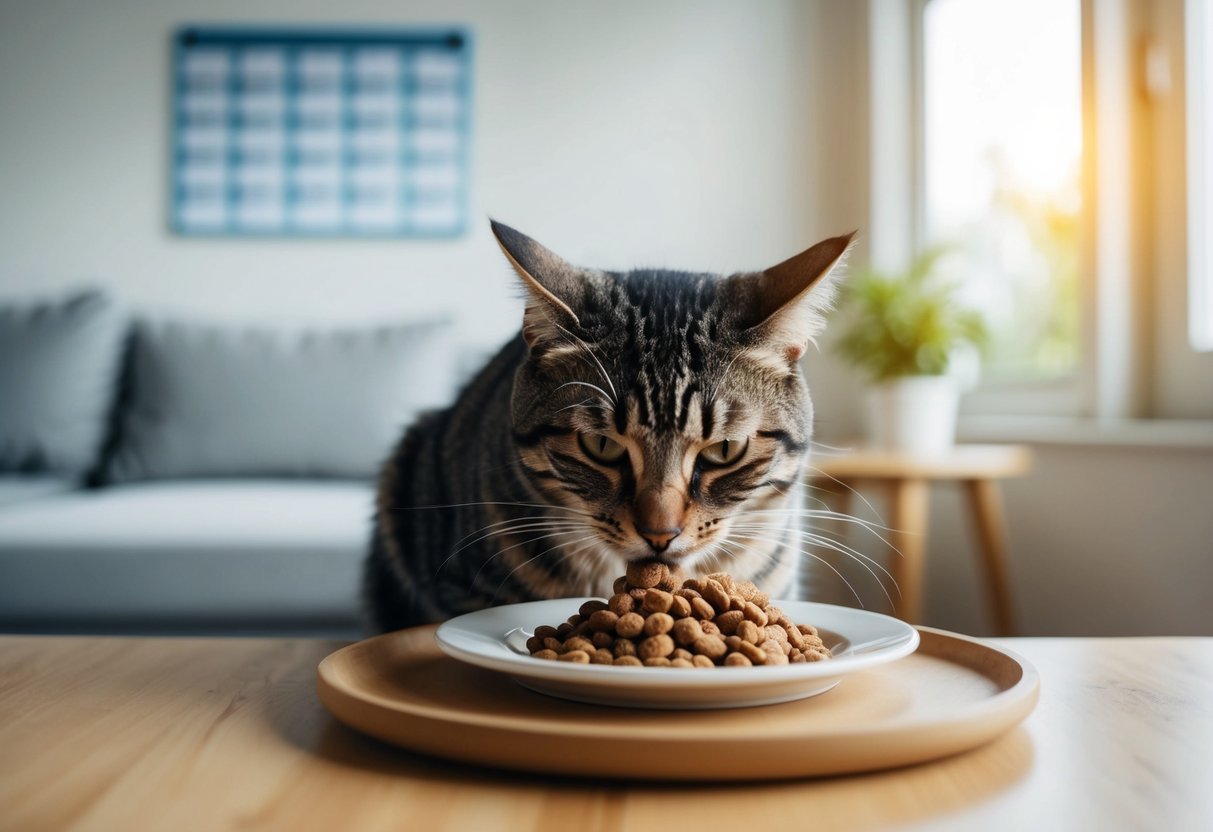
x: 725, y: 452
x: 601, y: 448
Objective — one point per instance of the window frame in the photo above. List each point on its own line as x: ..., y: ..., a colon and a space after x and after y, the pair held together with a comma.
x: 1180, y: 376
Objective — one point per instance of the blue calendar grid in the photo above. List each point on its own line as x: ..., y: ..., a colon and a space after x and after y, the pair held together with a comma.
x: 307, y: 132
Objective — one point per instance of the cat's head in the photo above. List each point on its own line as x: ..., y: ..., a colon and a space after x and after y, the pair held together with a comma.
x: 660, y: 406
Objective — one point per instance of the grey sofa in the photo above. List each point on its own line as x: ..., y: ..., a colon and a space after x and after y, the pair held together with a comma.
x: 168, y: 476
x: 227, y: 555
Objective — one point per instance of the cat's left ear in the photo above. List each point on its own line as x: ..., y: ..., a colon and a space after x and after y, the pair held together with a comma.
x: 791, y: 299
x: 553, y: 285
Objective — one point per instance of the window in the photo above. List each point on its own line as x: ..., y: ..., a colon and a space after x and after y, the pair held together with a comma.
x: 1044, y: 141
x: 1002, y: 173
x: 1200, y: 173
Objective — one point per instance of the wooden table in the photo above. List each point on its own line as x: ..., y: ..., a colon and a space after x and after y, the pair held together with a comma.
x: 907, y: 479
x: 213, y: 734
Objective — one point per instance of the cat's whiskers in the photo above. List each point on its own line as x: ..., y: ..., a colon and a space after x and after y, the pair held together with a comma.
x: 588, y: 572
x: 532, y: 519
x: 775, y: 488
x: 824, y: 540
x: 495, y: 503
x: 553, y: 526
x: 839, y: 482
x: 564, y: 555
x: 824, y: 514
x: 836, y: 450
x: 717, y: 563
x: 800, y: 550
x: 531, y: 541
x: 780, y: 544
x: 527, y: 542
x: 736, y: 550
x: 809, y: 539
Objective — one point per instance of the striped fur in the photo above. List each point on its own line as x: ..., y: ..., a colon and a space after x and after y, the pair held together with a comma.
x: 495, y: 500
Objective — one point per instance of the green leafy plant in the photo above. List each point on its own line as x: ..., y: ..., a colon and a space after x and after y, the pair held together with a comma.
x: 906, y: 324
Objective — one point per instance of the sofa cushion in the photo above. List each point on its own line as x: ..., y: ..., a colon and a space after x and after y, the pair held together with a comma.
x: 218, y: 552
x: 210, y: 401
x: 59, y: 362
x: 14, y: 488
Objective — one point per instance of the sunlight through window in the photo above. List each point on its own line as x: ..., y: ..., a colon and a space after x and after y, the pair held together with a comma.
x: 1200, y: 173
x: 1003, y: 158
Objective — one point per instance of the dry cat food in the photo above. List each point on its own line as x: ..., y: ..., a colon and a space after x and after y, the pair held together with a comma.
x: 658, y: 619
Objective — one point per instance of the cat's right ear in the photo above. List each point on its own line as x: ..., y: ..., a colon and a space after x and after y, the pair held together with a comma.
x: 551, y: 284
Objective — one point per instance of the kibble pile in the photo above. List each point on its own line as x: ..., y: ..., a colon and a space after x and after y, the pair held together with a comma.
x: 658, y: 619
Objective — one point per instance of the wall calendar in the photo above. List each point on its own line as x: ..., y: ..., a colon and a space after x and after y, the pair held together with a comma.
x: 321, y: 132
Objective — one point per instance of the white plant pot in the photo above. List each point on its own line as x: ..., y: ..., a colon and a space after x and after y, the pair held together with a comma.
x: 913, y: 415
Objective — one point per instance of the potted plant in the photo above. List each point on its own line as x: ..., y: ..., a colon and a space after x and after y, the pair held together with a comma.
x: 904, y: 331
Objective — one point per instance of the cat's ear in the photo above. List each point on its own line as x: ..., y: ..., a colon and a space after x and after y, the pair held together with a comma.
x: 790, y: 300
x: 552, y: 285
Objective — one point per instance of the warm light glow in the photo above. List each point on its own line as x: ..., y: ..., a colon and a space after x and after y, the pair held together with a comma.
x: 1003, y: 91
x: 1003, y: 154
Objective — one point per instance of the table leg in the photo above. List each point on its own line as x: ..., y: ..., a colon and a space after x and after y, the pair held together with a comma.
x: 909, y: 520
x: 991, y: 533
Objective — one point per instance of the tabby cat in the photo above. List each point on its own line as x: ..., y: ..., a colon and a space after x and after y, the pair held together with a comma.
x: 638, y: 415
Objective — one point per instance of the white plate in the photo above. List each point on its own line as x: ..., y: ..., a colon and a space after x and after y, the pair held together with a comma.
x: 494, y: 638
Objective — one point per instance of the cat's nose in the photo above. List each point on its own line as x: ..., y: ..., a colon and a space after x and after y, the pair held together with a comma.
x: 658, y: 516
x: 658, y: 539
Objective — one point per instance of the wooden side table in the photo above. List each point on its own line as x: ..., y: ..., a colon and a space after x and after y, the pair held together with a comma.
x: 907, y: 480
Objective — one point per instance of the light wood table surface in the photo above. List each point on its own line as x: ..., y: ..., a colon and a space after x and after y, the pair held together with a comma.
x: 212, y: 734
x: 907, y: 479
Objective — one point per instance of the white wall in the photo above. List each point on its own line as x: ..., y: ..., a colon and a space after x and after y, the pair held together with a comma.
x: 623, y: 134
x: 1105, y: 541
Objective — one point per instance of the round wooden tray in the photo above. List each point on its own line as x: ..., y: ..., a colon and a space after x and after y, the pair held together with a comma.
x: 953, y: 694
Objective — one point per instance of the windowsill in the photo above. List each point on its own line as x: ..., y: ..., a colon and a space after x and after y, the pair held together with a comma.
x: 1054, y: 430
